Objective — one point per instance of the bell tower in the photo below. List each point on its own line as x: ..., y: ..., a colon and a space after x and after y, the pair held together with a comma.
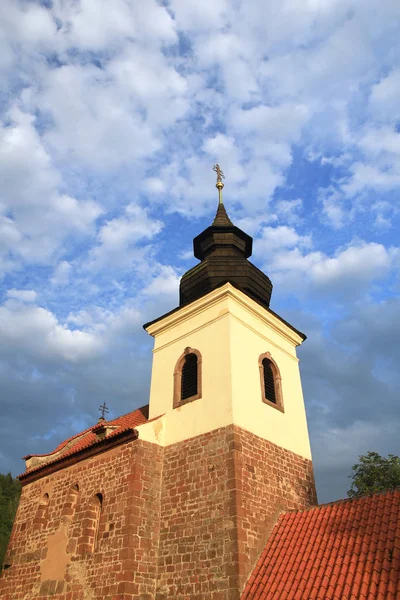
x: 177, y: 499
x: 236, y: 447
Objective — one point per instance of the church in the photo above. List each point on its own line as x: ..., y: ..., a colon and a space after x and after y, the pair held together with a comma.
x: 207, y: 492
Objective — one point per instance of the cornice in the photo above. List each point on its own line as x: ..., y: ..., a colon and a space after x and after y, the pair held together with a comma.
x: 227, y: 291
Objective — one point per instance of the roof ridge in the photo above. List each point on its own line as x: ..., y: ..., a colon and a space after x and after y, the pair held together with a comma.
x: 342, y: 501
x: 83, y: 433
x: 62, y: 444
x: 129, y: 413
x: 72, y: 452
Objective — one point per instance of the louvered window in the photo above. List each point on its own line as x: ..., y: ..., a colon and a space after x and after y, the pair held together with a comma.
x: 189, y: 377
x: 269, y: 383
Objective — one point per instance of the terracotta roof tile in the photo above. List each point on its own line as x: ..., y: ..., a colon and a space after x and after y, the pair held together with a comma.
x: 347, y: 549
x: 89, y: 437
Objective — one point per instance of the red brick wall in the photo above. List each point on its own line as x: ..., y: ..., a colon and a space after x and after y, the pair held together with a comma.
x: 53, y: 557
x: 269, y: 480
x: 198, y: 549
x: 221, y: 495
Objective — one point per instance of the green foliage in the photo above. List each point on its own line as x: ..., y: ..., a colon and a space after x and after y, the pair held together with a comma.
x: 374, y: 473
x: 10, y: 490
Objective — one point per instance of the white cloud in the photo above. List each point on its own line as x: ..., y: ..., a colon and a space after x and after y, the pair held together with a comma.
x: 24, y: 25
x: 368, y: 176
x: 186, y: 255
x: 378, y: 140
x: 289, y: 211
x: 113, y: 115
x: 359, y: 264
x: 151, y: 83
x: 380, y: 170
x: 134, y: 226
x: 154, y: 185
x: 117, y: 239
x: 274, y: 239
x: 24, y: 161
x: 36, y: 332
x: 111, y: 326
x: 333, y: 207
x: 383, y: 101
x: 199, y: 14
x: 39, y: 216
x: 277, y: 123
x: 110, y: 133
x: 166, y: 281
x: 289, y: 64
x: 373, y: 175
x: 95, y: 25
x: 349, y: 271
x: 61, y: 273
x: 23, y: 295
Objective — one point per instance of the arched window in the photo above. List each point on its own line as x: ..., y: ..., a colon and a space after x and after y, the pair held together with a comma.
x: 71, y: 502
x: 187, y: 377
x: 42, y: 513
x: 270, y: 380
x: 97, y: 505
x: 89, y: 527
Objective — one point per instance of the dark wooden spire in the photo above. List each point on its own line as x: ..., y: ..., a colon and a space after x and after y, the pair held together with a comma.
x: 221, y: 217
x: 223, y: 250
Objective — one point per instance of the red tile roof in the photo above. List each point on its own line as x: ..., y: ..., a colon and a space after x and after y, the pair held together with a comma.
x: 346, y: 550
x: 88, y: 438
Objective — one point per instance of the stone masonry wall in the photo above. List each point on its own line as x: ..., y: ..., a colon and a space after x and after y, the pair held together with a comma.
x: 56, y: 551
x: 269, y: 480
x: 222, y: 493
x: 198, y: 547
x: 187, y: 522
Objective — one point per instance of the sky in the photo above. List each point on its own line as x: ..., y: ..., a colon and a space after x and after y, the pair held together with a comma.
x: 112, y: 114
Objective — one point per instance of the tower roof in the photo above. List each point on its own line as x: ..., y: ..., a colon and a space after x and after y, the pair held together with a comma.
x: 223, y: 250
x: 221, y: 217
x: 222, y: 238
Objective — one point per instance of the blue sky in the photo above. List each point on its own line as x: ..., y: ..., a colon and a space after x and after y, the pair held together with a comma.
x: 111, y: 117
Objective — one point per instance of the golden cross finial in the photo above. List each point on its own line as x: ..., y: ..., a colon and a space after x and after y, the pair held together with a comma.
x: 219, y: 172
x: 219, y: 185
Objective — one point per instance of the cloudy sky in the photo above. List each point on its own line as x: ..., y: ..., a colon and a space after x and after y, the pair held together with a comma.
x: 112, y: 113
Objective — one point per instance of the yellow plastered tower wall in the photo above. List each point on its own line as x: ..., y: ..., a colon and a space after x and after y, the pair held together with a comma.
x: 231, y: 331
